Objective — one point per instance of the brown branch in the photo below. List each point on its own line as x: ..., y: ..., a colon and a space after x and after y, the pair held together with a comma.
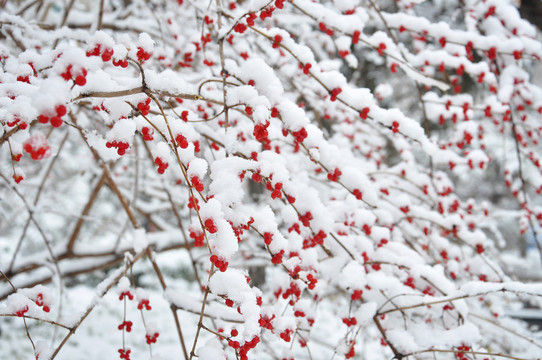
x: 84, y: 213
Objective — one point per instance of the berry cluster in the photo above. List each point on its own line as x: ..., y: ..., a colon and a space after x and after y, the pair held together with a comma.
x: 266, y: 322
x: 127, y: 325
x: 162, y: 165
x: 334, y: 93
x: 124, y: 354
x: 334, y: 176
x: 315, y: 240
x: 261, y: 134
x: 127, y: 294
x: 18, y: 178
x: 79, y: 77
x: 267, y: 238
x: 193, y: 203
x: 306, y: 218
x: 276, y: 192
x: 151, y: 338
x: 105, y: 52
x: 357, y: 193
x: 144, y: 106
x: 247, y: 346
x: 122, y: 63
x: 144, y: 303
x: 121, y: 146
x: 56, y: 120
x: 277, y: 258
x: 221, y: 264
x: 196, y: 183
x: 142, y: 55
x: 350, y: 321
x: 40, y: 303
x: 286, y: 335
x: 37, y: 147
x: 210, y: 226
x: 356, y: 295
x: 182, y: 141
x: 17, y: 120
x: 21, y: 312
x: 199, y: 238
x: 147, y: 133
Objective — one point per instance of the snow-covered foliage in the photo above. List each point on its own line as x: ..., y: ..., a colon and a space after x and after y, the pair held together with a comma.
x: 267, y: 179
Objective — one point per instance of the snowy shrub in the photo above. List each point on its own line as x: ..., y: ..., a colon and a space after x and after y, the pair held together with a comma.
x: 267, y: 179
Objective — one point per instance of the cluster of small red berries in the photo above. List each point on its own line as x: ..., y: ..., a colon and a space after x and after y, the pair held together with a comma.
x: 300, y: 135
x: 315, y: 240
x: 40, y: 303
x: 125, y: 354
x: 286, y: 335
x: 267, y: 12
x: 267, y: 238
x: 312, y: 281
x: 56, y: 121
x: 151, y: 339
x: 18, y: 178
x: 144, y: 303
x: 196, y: 183
x: 277, y: 258
x: 37, y: 147
x: 199, y: 238
x: 162, y: 165
x: 356, y: 295
x: 193, y: 203
x: 127, y: 294
x: 324, y: 28
x: 17, y: 120
x: 240, y: 229
x: 306, y: 218
x: 381, y: 48
x: 147, y: 133
x: 247, y: 346
x: 121, y: 146
x: 21, y: 312
x: 334, y: 93
x: 142, y: 55
x: 351, y: 353
x: 123, y: 63
x: 334, y: 176
x: 357, y: 193
x: 240, y: 28
x: 80, y: 77
x: 306, y: 68
x: 127, y: 325
x: 463, y: 348
x: 350, y: 321
x: 276, y: 41
x: 294, y: 291
x: 410, y: 282
x: 395, y: 127
x: 261, y: 134
x: 144, y: 106
x: 210, y: 226
x: 105, y: 52
x: 364, y: 113
x: 266, y: 322
x: 221, y: 264
x: 276, y: 191
x: 182, y: 141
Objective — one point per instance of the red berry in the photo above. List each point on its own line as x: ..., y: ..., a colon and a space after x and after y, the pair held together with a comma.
x: 56, y: 121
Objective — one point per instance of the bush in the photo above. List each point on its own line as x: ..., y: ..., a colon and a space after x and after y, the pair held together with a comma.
x: 267, y: 179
